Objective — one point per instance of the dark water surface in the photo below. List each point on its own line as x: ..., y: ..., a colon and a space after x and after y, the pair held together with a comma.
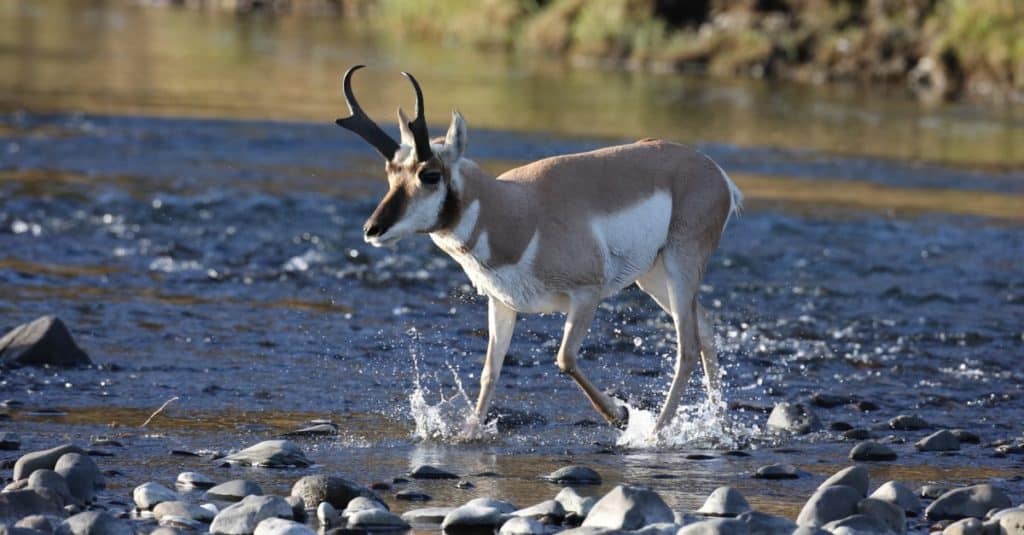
x: 220, y: 261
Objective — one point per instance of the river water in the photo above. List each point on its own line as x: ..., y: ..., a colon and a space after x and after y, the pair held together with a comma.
x: 172, y: 186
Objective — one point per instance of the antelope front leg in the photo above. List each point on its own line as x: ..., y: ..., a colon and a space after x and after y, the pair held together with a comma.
x: 581, y: 314
x: 501, y: 321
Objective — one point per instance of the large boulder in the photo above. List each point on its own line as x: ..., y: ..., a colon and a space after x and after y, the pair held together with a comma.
x: 627, y: 508
x: 889, y: 514
x: 82, y: 475
x: 45, y: 341
x: 967, y: 501
x: 271, y: 454
x: 852, y: 476
x: 242, y: 518
x: 334, y: 490
x: 42, y: 459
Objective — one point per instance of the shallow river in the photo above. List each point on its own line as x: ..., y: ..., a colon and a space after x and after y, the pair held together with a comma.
x: 172, y: 186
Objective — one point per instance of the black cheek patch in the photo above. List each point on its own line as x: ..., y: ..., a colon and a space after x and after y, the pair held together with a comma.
x: 390, y: 209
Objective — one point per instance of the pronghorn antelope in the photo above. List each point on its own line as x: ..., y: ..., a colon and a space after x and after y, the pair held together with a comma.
x: 560, y: 235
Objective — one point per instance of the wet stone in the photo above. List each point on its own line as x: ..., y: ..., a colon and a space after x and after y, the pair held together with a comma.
x: 280, y: 526
x: 233, y: 491
x: 858, y: 433
x: 852, y: 476
x: 413, y: 496
x: 892, y: 516
x: 856, y: 524
x: 471, y: 515
x: 966, y: 437
x: 628, y: 507
x: 899, y: 495
x: 573, y: 503
x: 840, y: 426
x: 866, y: 406
x: 335, y: 490
x: 715, y: 526
x: 21, y: 503
x: 241, y: 518
x: 942, y: 440
x: 777, y: 471
x: 51, y: 485
x: 795, y: 418
x: 763, y: 523
x: 327, y: 514
x: 376, y: 519
x: 316, y: 430
x: 431, y: 472
x: 148, y: 495
x: 976, y: 501
x: 465, y: 484
x: 82, y: 475
x: 380, y: 485
x: 194, y: 480
x: 36, y: 522
x: 9, y: 441
x: 298, y: 508
x: 932, y: 491
x: 829, y: 504
x: 182, y: 509
x: 93, y: 523
x: 828, y: 401
x: 271, y: 454
x: 724, y: 501
x: 427, y: 515
x: 42, y: 459
x: 45, y: 341
x: 872, y: 451
x: 908, y: 422
x: 361, y: 503
x: 522, y: 525
x: 965, y: 526
x: 574, y: 475
x: 549, y: 508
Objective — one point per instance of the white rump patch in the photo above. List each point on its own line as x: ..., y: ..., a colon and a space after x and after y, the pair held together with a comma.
x: 735, y: 196
x: 631, y: 238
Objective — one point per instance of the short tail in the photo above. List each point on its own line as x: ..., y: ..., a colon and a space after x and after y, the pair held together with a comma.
x: 735, y: 197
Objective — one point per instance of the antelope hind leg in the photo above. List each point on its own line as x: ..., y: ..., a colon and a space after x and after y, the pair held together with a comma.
x: 581, y: 314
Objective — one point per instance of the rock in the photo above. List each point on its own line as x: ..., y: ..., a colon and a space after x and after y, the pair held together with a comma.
x: 52, y: 486
x: 179, y: 508
x: 965, y: 526
x: 724, y: 501
x: 574, y: 475
x: 932, y: 491
x: 280, y: 526
x: 1010, y: 522
x: 431, y: 472
x: 856, y: 525
x: 9, y: 441
x: 715, y: 526
x: 148, y: 495
x: 852, y: 476
x: 857, y: 433
x: 471, y: 515
x: 194, y: 480
x: 628, y: 507
x: 899, y: 495
x: 242, y: 518
x: 361, y: 503
x: 235, y: 490
x: 315, y: 430
x: 828, y: 504
x: 522, y: 525
x: 410, y: 495
x: 942, y: 440
x: 427, y: 515
x: 967, y: 501
x: 549, y: 508
x: 331, y: 489
x: 765, y: 524
x: 572, y: 502
x: 93, y: 523
x: 908, y: 422
x: 966, y: 437
x: 501, y: 505
x: 271, y: 454
x: 327, y: 514
x: 181, y: 523
x: 793, y: 418
x: 36, y: 522
x: 870, y: 450
x: 889, y: 514
x: 42, y: 459
x: 17, y: 504
x: 298, y: 506
x: 828, y: 401
x: 777, y: 471
x: 82, y: 475
x: 45, y: 341
x: 376, y: 519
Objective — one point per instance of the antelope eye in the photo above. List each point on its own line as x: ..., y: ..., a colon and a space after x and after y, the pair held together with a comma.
x: 430, y: 177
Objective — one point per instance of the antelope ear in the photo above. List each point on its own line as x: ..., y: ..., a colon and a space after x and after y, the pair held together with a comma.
x: 456, y: 138
x: 403, y: 127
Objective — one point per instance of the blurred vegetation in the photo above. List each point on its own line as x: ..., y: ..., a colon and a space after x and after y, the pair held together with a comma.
x: 941, y: 49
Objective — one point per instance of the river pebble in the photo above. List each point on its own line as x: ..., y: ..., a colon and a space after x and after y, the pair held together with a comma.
x: 179, y: 508
x: 21, y: 503
x: 1010, y: 521
x: 932, y: 491
x: 548, y: 508
x: 575, y: 503
x: 51, y: 485
x: 574, y: 475
x: 889, y: 514
x: 271, y: 454
x: 777, y: 471
x: 829, y: 504
x: 280, y: 526
x: 908, y: 422
x: 715, y: 526
x: 376, y: 519
x: 241, y: 518
x: 93, y: 523
x: 522, y: 525
x: 362, y: 503
x: 870, y: 450
x: 9, y: 441
x: 900, y: 495
x: 44, y: 341
x: 628, y: 507
x: 471, y: 515
x: 427, y: 515
x: 82, y: 475
x: 194, y: 480
x: 973, y: 501
x: 763, y: 523
x: 852, y: 476
x: 942, y: 440
x: 335, y: 490
x: 149, y: 495
x: 724, y: 501
x: 966, y: 437
x: 426, y: 471
x: 42, y: 459
x: 233, y: 491
x: 857, y: 524
x: 327, y: 515
x: 965, y: 526
x: 795, y: 418
x: 410, y: 495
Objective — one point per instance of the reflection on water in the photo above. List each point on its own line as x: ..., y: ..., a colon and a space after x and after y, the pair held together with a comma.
x: 111, y: 57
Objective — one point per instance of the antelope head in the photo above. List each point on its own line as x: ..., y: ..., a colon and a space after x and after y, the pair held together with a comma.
x: 422, y: 195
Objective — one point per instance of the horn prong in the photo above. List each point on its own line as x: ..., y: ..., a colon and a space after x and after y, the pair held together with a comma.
x: 361, y: 124
x: 419, y: 124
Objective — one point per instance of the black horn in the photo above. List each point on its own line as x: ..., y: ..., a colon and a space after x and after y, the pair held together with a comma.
x: 361, y: 124
x: 419, y: 125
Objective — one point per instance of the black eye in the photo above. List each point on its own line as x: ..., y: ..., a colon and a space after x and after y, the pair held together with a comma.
x: 430, y: 177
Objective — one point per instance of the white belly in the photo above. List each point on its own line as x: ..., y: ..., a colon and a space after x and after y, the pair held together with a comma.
x: 631, y: 239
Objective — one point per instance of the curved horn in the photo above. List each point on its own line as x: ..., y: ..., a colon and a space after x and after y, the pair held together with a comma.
x: 419, y: 125
x: 361, y: 124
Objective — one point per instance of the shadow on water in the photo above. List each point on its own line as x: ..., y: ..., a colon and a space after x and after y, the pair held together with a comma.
x: 221, y: 261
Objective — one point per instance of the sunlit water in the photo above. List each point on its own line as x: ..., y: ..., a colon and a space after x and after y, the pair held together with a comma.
x: 222, y: 262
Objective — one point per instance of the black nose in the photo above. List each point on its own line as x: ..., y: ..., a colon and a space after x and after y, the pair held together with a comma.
x: 372, y: 229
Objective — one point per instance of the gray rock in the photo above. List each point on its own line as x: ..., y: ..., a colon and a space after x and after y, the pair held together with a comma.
x: 856, y: 525
x: 298, y: 506
x: 433, y: 516
x: 411, y: 495
x: 551, y: 508
x: 179, y: 508
x: 869, y: 450
x: 17, y: 504
x: 183, y: 523
x: 242, y: 518
x: 965, y: 526
x: 522, y: 525
x: 828, y: 504
x: 36, y: 522
x: 333, y: 490
x: 889, y: 514
x: 852, y: 476
x: 164, y: 530
x: 899, y: 495
x: 431, y: 472
x: 942, y: 440
x: 777, y: 471
x: 327, y: 514
x: 472, y: 515
x: 574, y: 475
x: 716, y: 526
x: 9, y: 441
x: 315, y: 430
x: 82, y: 475
x: 966, y: 437
x: 280, y: 526
x: 45, y: 341
x: 42, y: 459
x: 661, y: 528
x: 628, y: 507
x: 908, y: 422
x: 271, y: 454
x: 194, y: 480
x: 793, y: 418
x: 362, y: 503
x: 967, y: 501
x: 932, y: 491
x: 501, y: 505
x: 234, y: 490
x: 589, y: 530
x: 376, y: 519
x: 724, y: 501
x: 51, y: 485
x: 1010, y: 522
x: 93, y: 523
x: 573, y: 502
x: 148, y: 495
x: 765, y: 524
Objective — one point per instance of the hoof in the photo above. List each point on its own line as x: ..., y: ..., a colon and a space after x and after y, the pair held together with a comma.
x: 622, y: 420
